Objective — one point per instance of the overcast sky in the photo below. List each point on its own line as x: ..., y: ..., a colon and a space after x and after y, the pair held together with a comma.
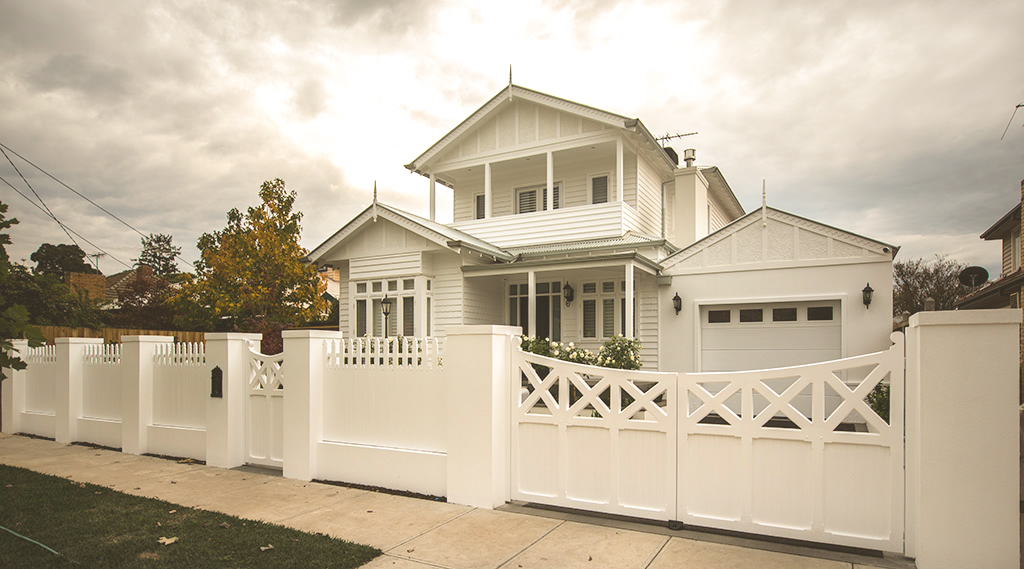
x: 883, y: 118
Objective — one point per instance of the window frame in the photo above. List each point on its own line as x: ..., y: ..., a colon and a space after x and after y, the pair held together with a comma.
x: 609, y: 194
x: 397, y: 319
x: 556, y: 192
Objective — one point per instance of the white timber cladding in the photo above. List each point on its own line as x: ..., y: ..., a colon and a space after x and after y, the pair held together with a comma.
x: 572, y: 172
x: 717, y: 217
x: 383, y: 266
x: 564, y: 224
x: 343, y: 297
x: 648, y: 196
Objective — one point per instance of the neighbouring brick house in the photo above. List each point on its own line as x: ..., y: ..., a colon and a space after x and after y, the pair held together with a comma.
x: 116, y: 284
x: 1007, y: 289
x: 89, y: 286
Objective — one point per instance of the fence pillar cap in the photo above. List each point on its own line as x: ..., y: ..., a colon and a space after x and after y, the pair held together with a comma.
x: 947, y: 317
x: 78, y: 340
x: 312, y: 334
x: 214, y: 336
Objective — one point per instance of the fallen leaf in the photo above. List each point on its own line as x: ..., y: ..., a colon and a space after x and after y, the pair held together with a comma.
x: 97, y: 492
x: 225, y: 525
x: 159, y: 524
x: 369, y: 511
x: 268, y: 547
x: 173, y: 512
x: 590, y: 558
x: 149, y: 555
x: 82, y: 485
x: 167, y: 540
x: 9, y: 486
x: 410, y: 550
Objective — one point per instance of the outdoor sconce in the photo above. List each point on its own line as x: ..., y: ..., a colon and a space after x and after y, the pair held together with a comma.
x: 385, y: 307
x: 677, y: 303
x: 867, y: 292
x: 568, y: 293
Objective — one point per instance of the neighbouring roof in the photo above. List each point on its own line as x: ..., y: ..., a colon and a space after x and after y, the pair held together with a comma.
x: 1002, y: 228
x: 995, y: 294
x: 118, y: 282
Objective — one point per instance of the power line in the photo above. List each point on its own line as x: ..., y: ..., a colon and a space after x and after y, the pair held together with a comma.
x: 1011, y: 119
x: 97, y: 247
x: 76, y: 192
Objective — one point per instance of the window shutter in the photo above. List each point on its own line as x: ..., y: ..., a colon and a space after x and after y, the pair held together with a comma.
x: 361, y: 317
x: 608, y: 318
x: 555, y: 201
x: 480, y: 207
x: 599, y: 189
x: 527, y: 201
x: 589, y: 318
x: 408, y: 316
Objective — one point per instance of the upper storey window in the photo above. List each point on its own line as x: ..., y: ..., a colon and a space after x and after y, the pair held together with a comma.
x: 599, y: 189
x: 479, y: 206
x: 528, y: 199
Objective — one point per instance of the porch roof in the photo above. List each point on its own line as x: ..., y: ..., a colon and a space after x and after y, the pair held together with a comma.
x: 571, y: 263
x: 628, y: 241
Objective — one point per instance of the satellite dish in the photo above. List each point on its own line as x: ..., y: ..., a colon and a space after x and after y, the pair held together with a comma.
x: 973, y: 277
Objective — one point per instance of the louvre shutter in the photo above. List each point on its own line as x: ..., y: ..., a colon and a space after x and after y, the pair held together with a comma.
x: 589, y: 318
x: 480, y: 207
x: 527, y: 201
x: 599, y: 189
x: 408, y: 316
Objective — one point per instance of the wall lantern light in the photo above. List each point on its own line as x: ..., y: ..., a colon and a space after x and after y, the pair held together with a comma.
x: 385, y: 307
x: 677, y: 303
x: 568, y: 293
x: 868, y: 291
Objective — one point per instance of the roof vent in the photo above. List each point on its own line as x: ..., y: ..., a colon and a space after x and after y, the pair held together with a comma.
x: 689, y: 155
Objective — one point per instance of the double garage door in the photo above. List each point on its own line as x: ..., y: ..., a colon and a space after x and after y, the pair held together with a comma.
x: 759, y: 336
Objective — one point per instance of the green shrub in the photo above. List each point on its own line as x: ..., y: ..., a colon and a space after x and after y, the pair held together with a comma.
x: 878, y: 400
x: 620, y: 352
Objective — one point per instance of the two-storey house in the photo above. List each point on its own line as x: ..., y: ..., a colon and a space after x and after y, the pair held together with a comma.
x: 576, y: 224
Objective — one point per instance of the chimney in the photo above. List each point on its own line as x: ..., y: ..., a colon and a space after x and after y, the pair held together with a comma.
x: 689, y: 155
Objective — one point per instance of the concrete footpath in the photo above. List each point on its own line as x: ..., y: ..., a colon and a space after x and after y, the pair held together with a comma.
x: 418, y: 533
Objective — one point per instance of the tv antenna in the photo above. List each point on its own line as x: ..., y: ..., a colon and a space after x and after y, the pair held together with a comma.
x: 96, y: 259
x: 1011, y: 119
x: 668, y: 137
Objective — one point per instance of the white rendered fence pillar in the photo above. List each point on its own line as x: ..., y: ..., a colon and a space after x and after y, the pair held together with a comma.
x: 12, y: 392
x: 303, y: 369
x: 225, y: 415
x: 67, y: 387
x: 477, y: 365
x: 137, y: 390
x: 962, y: 439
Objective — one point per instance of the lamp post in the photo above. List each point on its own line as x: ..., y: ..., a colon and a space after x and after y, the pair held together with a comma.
x: 385, y: 307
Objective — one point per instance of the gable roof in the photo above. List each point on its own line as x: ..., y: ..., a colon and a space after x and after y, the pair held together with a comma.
x: 505, y: 96
x: 430, y: 230
x: 767, y: 235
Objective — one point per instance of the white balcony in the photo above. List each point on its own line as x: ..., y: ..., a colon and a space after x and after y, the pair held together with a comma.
x: 568, y: 224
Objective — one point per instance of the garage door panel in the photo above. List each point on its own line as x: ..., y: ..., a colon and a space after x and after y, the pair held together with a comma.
x: 731, y: 360
x: 772, y: 338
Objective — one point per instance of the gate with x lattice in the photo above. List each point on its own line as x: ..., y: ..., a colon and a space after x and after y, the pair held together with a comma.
x: 264, y: 410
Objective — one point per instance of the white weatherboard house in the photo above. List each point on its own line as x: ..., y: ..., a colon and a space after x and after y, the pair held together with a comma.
x: 576, y: 224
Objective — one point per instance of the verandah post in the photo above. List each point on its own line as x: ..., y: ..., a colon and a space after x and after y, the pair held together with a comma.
x: 137, y: 390
x: 12, y: 392
x: 478, y: 368
x: 226, y: 415
x: 67, y: 388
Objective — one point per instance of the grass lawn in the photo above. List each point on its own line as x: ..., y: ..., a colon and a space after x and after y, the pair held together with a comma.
x: 93, y: 526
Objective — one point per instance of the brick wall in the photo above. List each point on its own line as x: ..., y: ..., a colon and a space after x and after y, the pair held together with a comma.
x: 92, y: 287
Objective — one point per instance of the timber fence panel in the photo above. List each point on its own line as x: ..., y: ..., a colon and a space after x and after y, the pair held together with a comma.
x: 180, y: 385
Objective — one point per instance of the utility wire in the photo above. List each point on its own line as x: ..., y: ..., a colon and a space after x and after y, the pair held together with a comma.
x: 64, y: 226
x: 38, y: 197
x: 1011, y: 120
x: 79, y: 194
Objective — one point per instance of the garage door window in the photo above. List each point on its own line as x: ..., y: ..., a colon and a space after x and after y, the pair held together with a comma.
x: 751, y: 315
x: 719, y: 316
x: 820, y: 313
x: 784, y: 315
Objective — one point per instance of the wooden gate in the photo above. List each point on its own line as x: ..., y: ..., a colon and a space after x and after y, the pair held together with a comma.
x: 264, y: 410
x: 792, y: 452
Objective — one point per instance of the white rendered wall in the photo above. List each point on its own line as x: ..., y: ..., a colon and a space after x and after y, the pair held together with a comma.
x: 963, y: 439
x: 865, y: 330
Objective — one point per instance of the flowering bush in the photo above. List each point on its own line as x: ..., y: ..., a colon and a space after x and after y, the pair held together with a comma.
x: 618, y: 352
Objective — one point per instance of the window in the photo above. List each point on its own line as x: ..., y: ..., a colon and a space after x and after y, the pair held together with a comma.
x: 819, y: 313
x: 527, y: 198
x: 751, y: 315
x: 719, y: 316
x: 549, y: 309
x: 605, y: 312
x: 368, y: 316
x: 784, y: 315
x: 599, y: 189
x: 480, y: 206
x: 1015, y: 254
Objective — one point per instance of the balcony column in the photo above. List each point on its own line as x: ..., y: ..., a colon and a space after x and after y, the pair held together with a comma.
x: 532, y: 285
x: 549, y: 201
x: 488, y: 194
x: 433, y: 197
x: 630, y: 333
x: 618, y: 168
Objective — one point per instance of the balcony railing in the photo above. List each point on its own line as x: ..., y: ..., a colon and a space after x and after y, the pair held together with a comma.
x: 567, y: 224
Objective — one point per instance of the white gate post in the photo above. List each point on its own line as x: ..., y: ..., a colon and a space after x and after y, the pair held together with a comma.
x: 478, y: 365
x: 225, y: 415
x: 67, y: 387
x: 137, y: 390
x: 12, y: 392
x: 962, y: 439
x: 303, y: 369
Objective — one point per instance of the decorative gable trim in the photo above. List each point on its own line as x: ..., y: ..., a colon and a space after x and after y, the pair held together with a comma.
x: 775, y: 238
x: 502, y: 99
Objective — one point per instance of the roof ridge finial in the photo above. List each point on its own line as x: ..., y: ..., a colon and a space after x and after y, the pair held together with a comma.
x: 375, y: 201
x: 509, y: 81
x: 764, y: 203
